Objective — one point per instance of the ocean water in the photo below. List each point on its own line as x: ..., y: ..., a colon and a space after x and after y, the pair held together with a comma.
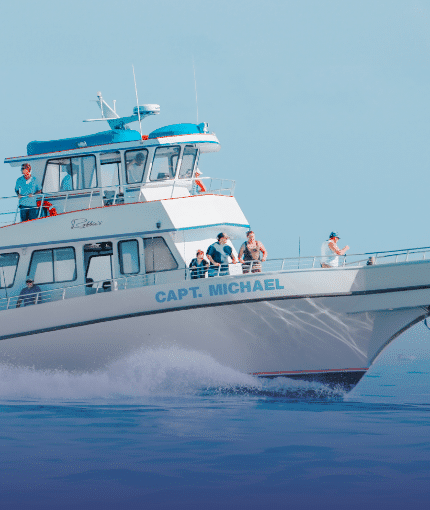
x: 173, y: 429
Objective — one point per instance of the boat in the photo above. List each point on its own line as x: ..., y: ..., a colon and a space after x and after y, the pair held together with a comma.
x: 119, y: 219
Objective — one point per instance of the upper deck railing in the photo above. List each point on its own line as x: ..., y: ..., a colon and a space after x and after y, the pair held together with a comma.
x: 78, y: 200
x: 185, y: 274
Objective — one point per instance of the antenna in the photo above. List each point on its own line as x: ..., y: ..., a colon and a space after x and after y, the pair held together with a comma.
x: 137, y: 102
x: 195, y: 87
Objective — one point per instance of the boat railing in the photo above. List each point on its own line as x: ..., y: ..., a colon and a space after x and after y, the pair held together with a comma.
x: 353, y: 260
x: 255, y: 267
x: 76, y: 200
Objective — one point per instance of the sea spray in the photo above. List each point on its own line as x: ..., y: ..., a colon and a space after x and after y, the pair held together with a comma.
x: 160, y: 372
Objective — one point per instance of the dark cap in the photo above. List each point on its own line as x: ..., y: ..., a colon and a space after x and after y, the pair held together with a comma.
x: 334, y: 234
x: 29, y: 280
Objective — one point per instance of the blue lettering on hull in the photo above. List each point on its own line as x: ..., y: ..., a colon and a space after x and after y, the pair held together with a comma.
x: 220, y: 289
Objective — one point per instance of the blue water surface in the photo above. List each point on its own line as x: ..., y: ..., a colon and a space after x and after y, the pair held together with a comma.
x: 173, y: 429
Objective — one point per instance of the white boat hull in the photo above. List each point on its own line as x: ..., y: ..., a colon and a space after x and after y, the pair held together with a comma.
x: 333, y: 330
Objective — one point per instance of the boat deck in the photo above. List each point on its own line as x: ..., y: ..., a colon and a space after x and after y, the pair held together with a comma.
x: 271, y: 266
x: 80, y: 200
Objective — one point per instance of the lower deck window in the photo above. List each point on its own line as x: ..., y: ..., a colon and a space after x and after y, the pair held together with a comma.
x: 158, y: 256
x: 128, y: 252
x: 53, y: 266
x: 8, y: 265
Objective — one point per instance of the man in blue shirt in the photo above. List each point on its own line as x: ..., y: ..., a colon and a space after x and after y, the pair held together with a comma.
x: 218, y: 254
x: 67, y: 182
x: 29, y: 295
x: 27, y: 187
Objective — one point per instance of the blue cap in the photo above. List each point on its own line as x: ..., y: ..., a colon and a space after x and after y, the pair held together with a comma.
x: 334, y: 234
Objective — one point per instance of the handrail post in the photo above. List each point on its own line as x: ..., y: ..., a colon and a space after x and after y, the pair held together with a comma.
x: 41, y: 204
x: 313, y: 263
x: 65, y: 201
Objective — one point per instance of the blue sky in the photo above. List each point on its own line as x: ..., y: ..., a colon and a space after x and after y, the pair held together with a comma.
x: 321, y: 107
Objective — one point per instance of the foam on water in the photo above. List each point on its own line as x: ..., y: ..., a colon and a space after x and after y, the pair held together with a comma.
x: 149, y: 372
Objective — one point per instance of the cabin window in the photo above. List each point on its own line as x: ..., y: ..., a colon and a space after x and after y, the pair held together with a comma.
x: 110, y: 163
x: 8, y: 265
x: 99, y: 268
x: 158, y: 256
x: 68, y: 174
x: 165, y: 163
x: 53, y: 266
x: 188, y: 161
x: 98, y: 265
x: 128, y: 253
x: 135, y: 162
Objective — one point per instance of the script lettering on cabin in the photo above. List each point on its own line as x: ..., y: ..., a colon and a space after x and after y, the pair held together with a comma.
x: 219, y: 289
x: 84, y: 223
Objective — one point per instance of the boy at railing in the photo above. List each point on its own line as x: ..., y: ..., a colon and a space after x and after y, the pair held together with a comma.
x: 199, y: 266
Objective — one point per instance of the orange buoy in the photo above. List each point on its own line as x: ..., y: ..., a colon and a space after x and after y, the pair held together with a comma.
x: 47, y: 205
x: 200, y: 185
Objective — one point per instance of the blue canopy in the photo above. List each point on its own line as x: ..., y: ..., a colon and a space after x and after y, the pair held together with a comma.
x: 179, y: 129
x: 67, y: 144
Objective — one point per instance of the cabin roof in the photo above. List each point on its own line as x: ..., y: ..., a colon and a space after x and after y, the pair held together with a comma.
x: 112, y: 136
x: 170, y: 135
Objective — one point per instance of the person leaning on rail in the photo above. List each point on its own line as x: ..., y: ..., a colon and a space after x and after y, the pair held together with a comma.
x: 29, y: 295
x: 218, y: 254
x: 26, y: 188
x: 199, y: 266
x: 330, y: 251
x: 249, y: 254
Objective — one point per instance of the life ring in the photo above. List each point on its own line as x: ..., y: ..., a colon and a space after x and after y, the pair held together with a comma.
x: 200, y: 185
x: 47, y: 205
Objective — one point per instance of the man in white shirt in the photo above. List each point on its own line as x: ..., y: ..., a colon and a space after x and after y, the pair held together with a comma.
x: 330, y: 251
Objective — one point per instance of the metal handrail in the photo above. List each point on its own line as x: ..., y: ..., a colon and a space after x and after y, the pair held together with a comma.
x: 255, y: 267
x: 124, y: 191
